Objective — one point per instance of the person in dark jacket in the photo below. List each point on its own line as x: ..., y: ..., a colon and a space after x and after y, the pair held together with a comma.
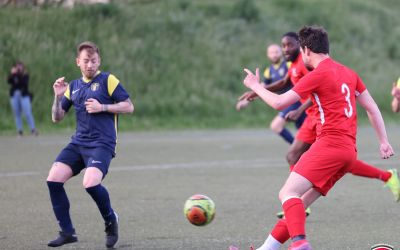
x: 20, y: 97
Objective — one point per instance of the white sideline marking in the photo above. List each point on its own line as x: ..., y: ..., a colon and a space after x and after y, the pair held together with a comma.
x: 16, y: 174
x: 252, y: 163
x: 255, y: 163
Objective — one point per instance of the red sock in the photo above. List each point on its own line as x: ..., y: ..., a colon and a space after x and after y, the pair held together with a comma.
x: 280, y: 231
x: 295, y: 216
x: 361, y: 168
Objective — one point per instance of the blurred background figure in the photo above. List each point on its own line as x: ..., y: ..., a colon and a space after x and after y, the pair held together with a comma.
x: 20, y: 97
x: 396, y: 96
x: 275, y: 72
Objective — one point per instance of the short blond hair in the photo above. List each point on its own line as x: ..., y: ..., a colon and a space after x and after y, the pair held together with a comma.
x: 91, y: 47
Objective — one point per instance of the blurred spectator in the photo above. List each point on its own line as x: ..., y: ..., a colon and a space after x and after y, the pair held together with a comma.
x: 396, y: 96
x: 20, y: 97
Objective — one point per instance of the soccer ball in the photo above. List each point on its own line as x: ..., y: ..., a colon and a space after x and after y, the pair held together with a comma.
x: 199, y: 210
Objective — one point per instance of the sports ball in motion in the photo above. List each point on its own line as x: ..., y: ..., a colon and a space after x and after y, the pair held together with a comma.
x: 199, y: 210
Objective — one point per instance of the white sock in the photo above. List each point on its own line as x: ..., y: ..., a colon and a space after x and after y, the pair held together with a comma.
x: 270, y: 244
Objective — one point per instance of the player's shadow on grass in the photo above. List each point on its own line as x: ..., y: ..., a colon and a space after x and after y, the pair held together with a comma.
x: 122, y: 246
x: 125, y: 246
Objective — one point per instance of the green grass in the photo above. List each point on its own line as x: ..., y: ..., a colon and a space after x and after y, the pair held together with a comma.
x: 182, y: 60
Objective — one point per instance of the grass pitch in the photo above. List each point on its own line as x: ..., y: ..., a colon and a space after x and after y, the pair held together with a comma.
x: 155, y: 172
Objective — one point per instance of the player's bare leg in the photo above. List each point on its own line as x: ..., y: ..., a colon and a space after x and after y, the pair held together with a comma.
x: 92, y: 177
x: 278, y: 126
x: 280, y: 234
x: 59, y: 172
x: 296, y: 150
x: 58, y: 175
x: 310, y: 196
x: 389, y: 177
x: 291, y: 198
x: 92, y: 183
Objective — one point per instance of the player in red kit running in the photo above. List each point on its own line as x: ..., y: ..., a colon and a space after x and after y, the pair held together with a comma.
x: 306, y: 135
x: 334, y: 89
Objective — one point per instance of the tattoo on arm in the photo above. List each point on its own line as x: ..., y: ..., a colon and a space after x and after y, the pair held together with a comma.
x: 57, y: 113
x: 124, y: 108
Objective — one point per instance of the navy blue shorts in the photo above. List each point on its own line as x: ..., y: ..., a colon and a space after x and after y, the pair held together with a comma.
x: 294, y: 106
x: 79, y: 157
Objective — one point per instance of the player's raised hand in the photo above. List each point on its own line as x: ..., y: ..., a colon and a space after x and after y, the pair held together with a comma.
x: 251, y: 80
x: 386, y: 150
x: 395, y: 91
x: 93, y: 106
x: 60, y: 86
x: 249, y: 96
x: 244, y: 96
x: 293, y: 115
x: 242, y: 104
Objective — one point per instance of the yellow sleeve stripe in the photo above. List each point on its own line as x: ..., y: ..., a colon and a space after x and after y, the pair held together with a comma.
x: 266, y: 73
x: 67, y: 93
x: 112, y: 83
x: 398, y: 83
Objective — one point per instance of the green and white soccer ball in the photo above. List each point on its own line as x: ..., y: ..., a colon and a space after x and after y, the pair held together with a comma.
x: 199, y: 210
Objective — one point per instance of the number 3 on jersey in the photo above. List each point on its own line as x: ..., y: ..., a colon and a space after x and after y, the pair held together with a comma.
x: 345, y: 90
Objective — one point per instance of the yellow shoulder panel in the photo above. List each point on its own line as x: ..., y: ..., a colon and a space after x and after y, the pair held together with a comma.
x: 112, y: 83
x: 67, y: 93
x: 266, y: 73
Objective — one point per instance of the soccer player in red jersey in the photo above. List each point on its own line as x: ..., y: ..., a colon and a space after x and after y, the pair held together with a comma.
x: 291, y: 51
x: 334, y: 89
x: 307, y: 132
x: 306, y: 135
x: 275, y: 72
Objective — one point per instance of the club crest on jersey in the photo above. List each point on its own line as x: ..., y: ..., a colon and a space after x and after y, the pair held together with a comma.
x: 281, y: 71
x: 382, y: 247
x: 95, y: 86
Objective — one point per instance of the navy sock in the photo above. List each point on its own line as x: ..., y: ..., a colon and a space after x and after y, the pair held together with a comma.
x: 298, y: 237
x: 286, y: 135
x: 102, y: 199
x: 60, y: 203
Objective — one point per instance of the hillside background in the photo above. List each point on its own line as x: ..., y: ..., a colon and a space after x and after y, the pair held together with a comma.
x: 182, y: 60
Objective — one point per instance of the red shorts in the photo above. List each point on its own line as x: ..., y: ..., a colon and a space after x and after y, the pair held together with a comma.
x: 326, y: 162
x: 308, y: 131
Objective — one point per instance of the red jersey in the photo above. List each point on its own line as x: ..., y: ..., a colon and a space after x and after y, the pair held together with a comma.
x: 333, y: 88
x: 297, y: 70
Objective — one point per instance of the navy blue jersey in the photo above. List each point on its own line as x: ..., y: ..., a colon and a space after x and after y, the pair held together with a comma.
x: 277, y: 72
x: 96, y: 129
